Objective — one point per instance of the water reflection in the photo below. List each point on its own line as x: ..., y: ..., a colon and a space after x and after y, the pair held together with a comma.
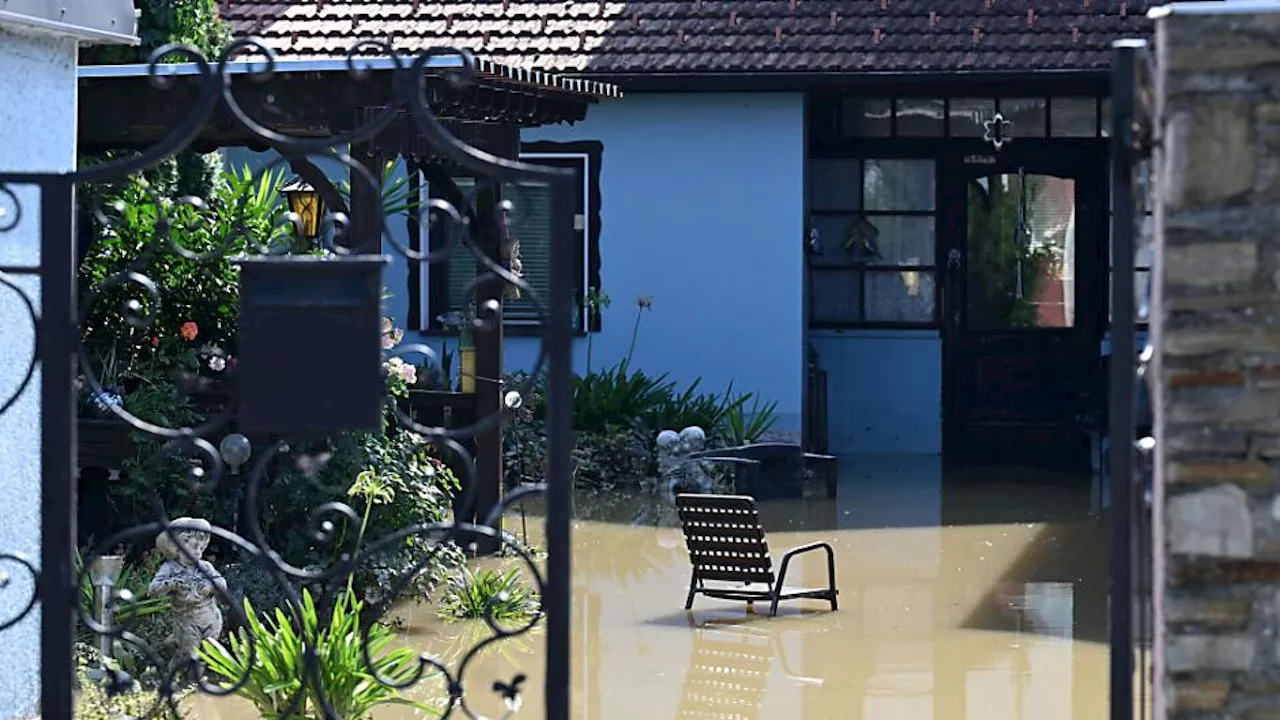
x: 981, y: 597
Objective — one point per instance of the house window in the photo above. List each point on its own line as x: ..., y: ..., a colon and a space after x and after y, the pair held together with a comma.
x: 447, y: 286
x: 873, y: 263
x: 857, y: 117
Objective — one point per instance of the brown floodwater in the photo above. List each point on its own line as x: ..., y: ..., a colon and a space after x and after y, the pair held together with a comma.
x: 979, y: 596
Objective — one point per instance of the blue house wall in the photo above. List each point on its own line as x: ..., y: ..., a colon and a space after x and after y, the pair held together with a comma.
x: 702, y: 209
x: 884, y: 390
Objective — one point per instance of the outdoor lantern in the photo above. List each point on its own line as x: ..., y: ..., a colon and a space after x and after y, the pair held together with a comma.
x: 310, y: 344
x: 305, y: 202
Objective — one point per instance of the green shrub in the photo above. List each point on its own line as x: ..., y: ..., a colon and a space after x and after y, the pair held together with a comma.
x: 419, y: 489
x: 269, y: 660
x: 743, y: 426
x: 691, y: 407
x: 500, y: 595
x: 617, y: 396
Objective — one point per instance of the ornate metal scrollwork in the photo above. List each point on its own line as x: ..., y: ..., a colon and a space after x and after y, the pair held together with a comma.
x: 412, y: 82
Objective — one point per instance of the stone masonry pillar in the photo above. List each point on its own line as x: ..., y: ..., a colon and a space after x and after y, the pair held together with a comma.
x: 1216, y: 368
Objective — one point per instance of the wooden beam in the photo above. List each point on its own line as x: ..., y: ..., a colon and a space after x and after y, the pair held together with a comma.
x: 488, y: 490
x: 366, y: 201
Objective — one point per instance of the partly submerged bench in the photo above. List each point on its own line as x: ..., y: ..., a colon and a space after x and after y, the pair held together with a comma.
x: 727, y: 547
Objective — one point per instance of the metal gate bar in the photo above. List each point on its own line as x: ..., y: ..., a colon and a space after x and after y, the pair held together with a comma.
x: 1129, y: 527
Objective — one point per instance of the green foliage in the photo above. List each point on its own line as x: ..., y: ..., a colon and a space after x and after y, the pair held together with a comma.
x: 691, y: 407
x: 618, y: 396
x: 276, y: 668
x: 617, y: 413
x: 744, y: 426
x: 192, y: 22
x: 194, y: 323
x: 501, y: 595
x: 243, y: 214
x: 397, y: 195
x: 402, y: 484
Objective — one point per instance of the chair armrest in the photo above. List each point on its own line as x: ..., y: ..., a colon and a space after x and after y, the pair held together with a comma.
x: 831, y: 563
x: 806, y: 548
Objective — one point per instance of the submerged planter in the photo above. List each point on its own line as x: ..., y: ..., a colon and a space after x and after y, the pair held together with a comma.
x: 310, y: 353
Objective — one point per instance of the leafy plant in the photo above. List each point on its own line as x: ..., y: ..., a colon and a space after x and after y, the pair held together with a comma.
x: 501, y: 595
x: 691, y: 407
x: 397, y: 194
x: 617, y: 396
x: 401, y: 467
x: 269, y: 658
x: 743, y: 426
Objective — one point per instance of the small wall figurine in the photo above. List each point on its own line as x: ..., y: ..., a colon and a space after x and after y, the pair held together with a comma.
x: 191, y: 584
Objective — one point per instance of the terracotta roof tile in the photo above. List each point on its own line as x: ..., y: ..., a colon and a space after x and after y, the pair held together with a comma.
x: 712, y: 36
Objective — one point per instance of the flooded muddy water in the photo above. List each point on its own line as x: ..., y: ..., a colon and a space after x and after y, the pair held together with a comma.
x: 974, y: 597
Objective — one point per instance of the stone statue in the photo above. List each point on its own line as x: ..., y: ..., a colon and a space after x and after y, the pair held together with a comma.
x: 192, y: 586
x: 694, y: 439
x: 669, y: 457
x: 675, y: 470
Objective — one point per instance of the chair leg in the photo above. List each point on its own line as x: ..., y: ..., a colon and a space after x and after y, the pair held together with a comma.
x: 831, y: 580
x: 773, y: 606
x: 693, y: 590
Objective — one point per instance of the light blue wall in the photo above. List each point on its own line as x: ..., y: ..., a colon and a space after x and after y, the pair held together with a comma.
x: 701, y: 209
x: 884, y: 390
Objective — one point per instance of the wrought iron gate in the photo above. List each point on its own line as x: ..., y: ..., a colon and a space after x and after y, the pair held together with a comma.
x: 58, y: 358
x: 1131, y: 627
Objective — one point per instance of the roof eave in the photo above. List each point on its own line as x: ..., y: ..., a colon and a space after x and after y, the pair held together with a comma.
x: 800, y: 81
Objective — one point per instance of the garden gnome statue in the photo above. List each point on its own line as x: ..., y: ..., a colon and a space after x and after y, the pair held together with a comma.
x: 192, y: 586
x: 693, y: 439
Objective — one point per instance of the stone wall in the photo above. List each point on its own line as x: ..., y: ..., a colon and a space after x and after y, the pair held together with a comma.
x: 1216, y: 330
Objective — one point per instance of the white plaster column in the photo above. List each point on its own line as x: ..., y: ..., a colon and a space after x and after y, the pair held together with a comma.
x: 38, y: 50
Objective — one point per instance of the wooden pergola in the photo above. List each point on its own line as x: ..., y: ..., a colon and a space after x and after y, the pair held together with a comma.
x: 121, y: 108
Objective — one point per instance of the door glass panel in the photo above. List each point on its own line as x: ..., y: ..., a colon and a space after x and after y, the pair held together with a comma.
x: 1020, y: 278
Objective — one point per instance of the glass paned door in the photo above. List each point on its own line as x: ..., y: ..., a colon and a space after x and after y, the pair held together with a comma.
x: 1023, y: 307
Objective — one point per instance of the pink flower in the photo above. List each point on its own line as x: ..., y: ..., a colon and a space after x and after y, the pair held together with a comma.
x: 392, y: 338
x: 155, y: 342
x: 189, y: 331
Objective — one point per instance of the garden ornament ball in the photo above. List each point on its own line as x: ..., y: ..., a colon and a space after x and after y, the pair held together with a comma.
x: 235, y: 450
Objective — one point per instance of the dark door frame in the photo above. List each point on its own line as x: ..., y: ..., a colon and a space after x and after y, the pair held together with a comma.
x: 1085, y: 160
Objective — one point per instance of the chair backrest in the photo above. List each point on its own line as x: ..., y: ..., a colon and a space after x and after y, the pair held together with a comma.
x: 724, y: 538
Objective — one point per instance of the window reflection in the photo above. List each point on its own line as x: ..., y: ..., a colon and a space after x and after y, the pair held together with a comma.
x: 1027, y: 281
